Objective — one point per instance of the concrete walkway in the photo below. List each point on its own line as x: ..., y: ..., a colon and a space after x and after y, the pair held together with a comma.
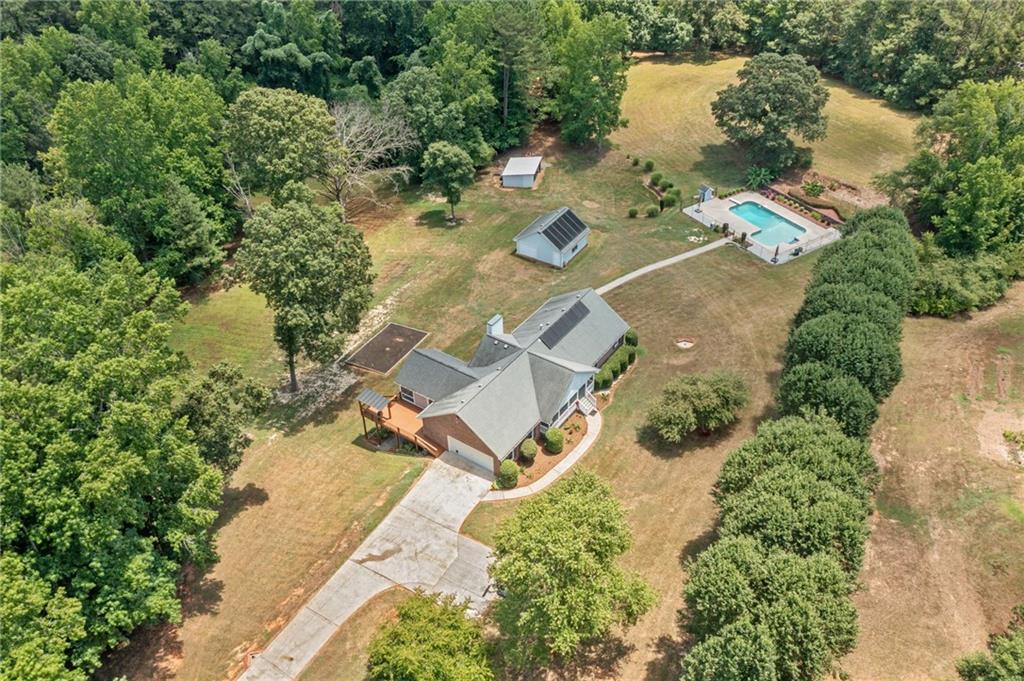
x: 417, y: 545
x: 594, y: 422
x: 615, y: 283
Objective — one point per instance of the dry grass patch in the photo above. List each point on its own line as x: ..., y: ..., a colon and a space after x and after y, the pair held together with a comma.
x: 945, y: 562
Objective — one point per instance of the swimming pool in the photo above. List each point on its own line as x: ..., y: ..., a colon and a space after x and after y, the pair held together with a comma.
x: 772, y: 228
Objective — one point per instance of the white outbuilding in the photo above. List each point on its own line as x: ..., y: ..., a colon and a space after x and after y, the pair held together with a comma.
x: 521, y: 171
x: 554, y: 238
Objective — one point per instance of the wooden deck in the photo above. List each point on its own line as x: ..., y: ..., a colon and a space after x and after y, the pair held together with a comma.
x: 402, y: 419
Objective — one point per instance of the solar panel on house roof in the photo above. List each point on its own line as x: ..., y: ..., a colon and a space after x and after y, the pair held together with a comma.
x: 564, y: 229
x: 566, y: 323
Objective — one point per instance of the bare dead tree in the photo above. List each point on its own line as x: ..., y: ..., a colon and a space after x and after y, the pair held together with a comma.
x: 233, y: 185
x: 365, y: 154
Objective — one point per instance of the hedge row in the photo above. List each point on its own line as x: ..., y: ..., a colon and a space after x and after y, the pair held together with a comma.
x: 617, y: 364
x: 843, y: 354
x: 771, y: 598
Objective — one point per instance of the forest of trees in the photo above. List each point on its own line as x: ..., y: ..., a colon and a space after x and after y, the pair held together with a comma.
x: 141, y: 139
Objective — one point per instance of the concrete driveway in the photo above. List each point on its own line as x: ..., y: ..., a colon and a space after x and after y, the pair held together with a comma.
x: 416, y: 546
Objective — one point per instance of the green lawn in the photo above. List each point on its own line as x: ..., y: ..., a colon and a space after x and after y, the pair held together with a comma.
x: 307, y: 492
x: 232, y: 325
x: 668, y: 105
x: 737, y: 309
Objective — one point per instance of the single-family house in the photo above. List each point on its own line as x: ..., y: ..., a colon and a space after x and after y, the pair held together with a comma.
x: 515, y: 386
x: 554, y: 238
x: 521, y: 171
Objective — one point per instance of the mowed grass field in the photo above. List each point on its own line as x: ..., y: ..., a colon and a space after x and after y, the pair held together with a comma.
x: 308, y: 492
x: 945, y: 562
x: 668, y: 105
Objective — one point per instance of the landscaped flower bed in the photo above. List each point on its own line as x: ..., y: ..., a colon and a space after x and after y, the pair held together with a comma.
x: 799, y: 207
x: 574, y: 429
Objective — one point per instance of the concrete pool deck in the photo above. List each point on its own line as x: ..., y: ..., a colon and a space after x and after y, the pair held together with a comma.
x: 716, y: 212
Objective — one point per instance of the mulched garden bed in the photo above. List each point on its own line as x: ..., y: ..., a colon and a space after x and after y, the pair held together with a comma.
x: 574, y: 429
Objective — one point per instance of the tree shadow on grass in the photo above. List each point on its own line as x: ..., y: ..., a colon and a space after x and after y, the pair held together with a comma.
x: 670, y: 649
x: 234, y: 500
x: 668, y: 655
x: 151, y: 654
x: 649, y: 440
x: 721, y: 164
x: 598, y: 660
x: 437, y: 218
x: 323, y: 394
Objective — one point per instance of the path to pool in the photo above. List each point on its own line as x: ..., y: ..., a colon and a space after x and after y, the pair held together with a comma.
x: 615, y: 283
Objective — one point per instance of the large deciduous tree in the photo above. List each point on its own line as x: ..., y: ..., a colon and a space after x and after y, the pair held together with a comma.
x: 447, y: 169
x: 433, y: 638
x: 217, y: 408
x: 593, y: 63
x: 815, y: 386
x: 813, y: 444
x: 273, y: 137
x: 314, y: 270
x: 556, y: 566
x: 791, y: 508
x: 851, y: 343
x: 105, y: 492
x: 146, y: 152
x: 777, y: 96
x: 798, y: 607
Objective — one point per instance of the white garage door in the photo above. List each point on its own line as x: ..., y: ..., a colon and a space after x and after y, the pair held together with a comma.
x: 474, y: 456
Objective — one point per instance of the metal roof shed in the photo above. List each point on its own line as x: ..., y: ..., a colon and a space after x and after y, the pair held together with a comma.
x: 521, y: 171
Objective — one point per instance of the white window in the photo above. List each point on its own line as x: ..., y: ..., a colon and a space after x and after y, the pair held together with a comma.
x: 407, y: 395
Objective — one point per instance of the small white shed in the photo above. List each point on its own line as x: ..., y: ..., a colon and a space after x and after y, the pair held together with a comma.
x: 554, y: 238
x: 521, y: 171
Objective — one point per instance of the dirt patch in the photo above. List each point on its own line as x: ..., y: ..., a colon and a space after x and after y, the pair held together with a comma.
x: 861, y: 197
x: 386, y: 349
x: 945, y: 561
x: 993, y: 423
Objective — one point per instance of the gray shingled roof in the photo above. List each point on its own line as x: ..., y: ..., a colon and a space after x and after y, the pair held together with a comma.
x: 561, y: 227
x: 493, y: 349
x: 504, y: 391
x: 434, y: 373
x: 500, y: 408
x: 587, y: 340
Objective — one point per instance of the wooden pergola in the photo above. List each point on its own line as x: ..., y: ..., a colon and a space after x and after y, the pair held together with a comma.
x: 372, y: 404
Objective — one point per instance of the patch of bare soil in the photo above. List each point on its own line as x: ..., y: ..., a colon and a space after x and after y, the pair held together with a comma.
x: 861, y: 197
x: 996, y: 420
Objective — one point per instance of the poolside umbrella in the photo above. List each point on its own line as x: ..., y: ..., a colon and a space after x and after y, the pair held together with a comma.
x: 776, y: 258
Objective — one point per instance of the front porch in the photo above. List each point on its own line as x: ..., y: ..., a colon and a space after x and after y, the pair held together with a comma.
x: 396, y: 416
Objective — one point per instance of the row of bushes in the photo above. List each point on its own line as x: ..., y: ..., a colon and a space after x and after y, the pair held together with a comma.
x: 617, y: 364
x: 771, y: 597
x: 843, y: 355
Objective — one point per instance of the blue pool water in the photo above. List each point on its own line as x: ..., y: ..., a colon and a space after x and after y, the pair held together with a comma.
x: 773, y: 229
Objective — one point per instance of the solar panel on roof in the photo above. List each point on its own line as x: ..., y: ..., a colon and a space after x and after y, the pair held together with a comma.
x: 564, y: 229
x: 566, y: 323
